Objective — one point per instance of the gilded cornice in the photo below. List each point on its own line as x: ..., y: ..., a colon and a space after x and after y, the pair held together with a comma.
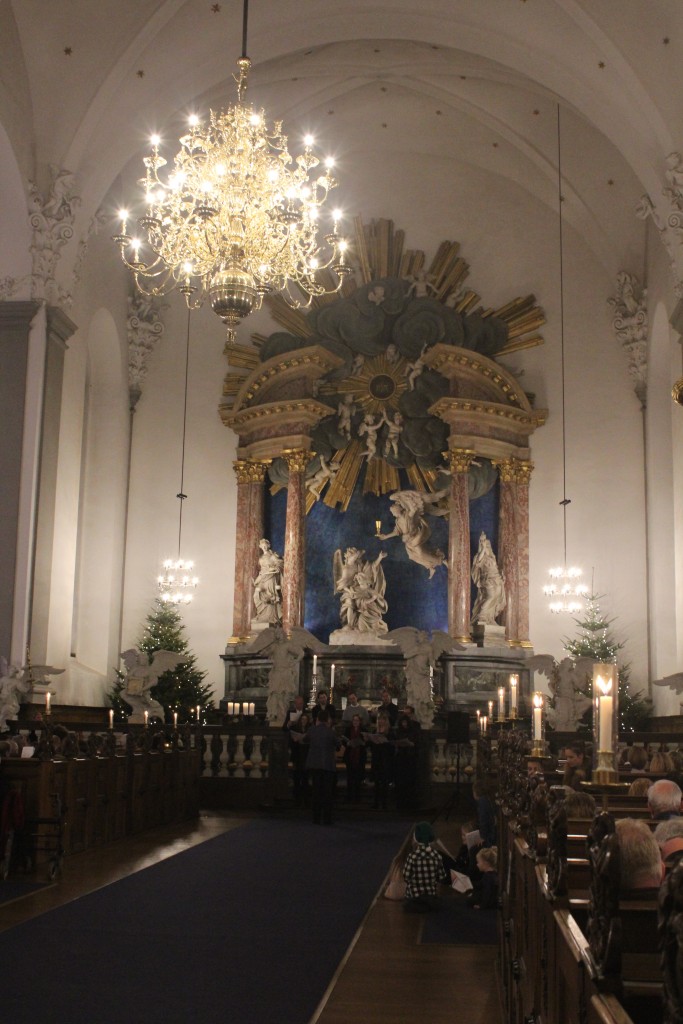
x: 464, y: 365
x: 308, y: 363
x: 275, y: 416
x: 452, y: 409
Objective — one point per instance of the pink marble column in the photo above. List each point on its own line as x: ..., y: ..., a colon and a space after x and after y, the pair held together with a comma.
x: 459, y: 546
x: 248, y: 532
x: 294, y: 572
x: 508, y: 546
x: 523, y: 472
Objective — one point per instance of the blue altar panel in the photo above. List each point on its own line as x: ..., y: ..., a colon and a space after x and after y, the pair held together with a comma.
x: 414, y: 599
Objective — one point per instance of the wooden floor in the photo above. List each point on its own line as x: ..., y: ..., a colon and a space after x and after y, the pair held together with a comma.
x: 386, y: 976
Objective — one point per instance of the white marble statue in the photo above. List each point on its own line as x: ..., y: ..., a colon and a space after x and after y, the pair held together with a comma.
x: 369, y: 429
x: 421, y: 653
x: 14, y: 686
x: 362, y: 586
x: 345, y: 411
x: 357, y: 364
x: 268, y: 585
x: 488, y: 580
x: 420, y: 284
x: 565, y: 678
x: 394, y: 428
x: 285, y: 651
x: 141, y: 677
x: 326, y: 473
x: 409, y: 510
x: 415, y: 369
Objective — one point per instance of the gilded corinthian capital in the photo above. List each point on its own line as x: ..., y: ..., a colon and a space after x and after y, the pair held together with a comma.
x: 297, y: 459
x: 523, y: 471
x: 459, y: 459
x: 507, y: 469
x: 249, y: 472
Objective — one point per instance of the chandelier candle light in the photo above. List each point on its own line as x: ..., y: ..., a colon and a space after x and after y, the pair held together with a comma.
x: 236, y: 217
x: 605, y: 719
x: 501, y: 703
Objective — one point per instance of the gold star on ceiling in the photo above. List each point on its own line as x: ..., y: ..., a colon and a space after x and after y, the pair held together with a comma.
x: 140, y: 73
x: 216, y: 8
x: 68, y: 51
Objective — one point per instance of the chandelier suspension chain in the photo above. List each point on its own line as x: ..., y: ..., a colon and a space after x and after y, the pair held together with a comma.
x: 182, y: 496
x: 565, y: 501
x: 245, y: 19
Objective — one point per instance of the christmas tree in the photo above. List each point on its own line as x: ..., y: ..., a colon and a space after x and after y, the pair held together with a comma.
x: 182, y: 689
x: 595, y: 640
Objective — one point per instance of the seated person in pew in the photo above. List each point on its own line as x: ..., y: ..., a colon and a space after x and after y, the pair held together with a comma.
x: 669, y: 838
x: 577, y: 767
x: 664, y: 799
x: 579, y: 804
x: 640, y: 860
x: 638, y: 759
x: 639, y: 787
x: 661, y: 763
x: 534, y: 767
x: 484, y: 895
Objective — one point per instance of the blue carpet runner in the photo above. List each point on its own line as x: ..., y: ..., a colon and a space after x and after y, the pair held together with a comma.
x: 248, y: 927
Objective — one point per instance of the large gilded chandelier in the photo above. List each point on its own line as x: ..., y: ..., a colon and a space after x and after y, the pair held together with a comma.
x: 237, y: 217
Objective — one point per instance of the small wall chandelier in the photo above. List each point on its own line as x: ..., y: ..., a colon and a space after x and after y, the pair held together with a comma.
x: 176, y: 583
x: 237, y: 216
x: 565, y: 591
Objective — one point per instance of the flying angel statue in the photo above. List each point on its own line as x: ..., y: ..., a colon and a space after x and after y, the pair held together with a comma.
x: 409, y: 509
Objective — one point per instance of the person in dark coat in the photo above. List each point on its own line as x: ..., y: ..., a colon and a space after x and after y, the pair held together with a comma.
x: 382, y: 762
x: 354, y: 759
x: 405, y: 763
x: 322, y: 765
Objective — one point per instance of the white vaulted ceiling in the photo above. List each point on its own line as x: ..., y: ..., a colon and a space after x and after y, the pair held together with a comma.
x: 394, y: 83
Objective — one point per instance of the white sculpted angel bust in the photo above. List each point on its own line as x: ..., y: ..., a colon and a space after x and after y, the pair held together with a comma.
x: 141, y: 676
x: 421, y: 653
x: 362, y: 587
x: 409, y: 510
x: 565, y: 678
x: 13, y: 687
x: 285, y: 651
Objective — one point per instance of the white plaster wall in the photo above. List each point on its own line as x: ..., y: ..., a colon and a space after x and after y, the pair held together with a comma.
x: 209, y: 513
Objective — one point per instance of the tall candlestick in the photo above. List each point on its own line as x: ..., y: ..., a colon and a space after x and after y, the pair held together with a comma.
x: 484, y: 723
x: 146, y: 719
x: 315, y: 664
x: 332, y: 677
x: 605, y: 705
x: 175, y: 719
x: 501, y: 703
x: 111, y: 718
x: 48, y: 710
x: 199, y: 711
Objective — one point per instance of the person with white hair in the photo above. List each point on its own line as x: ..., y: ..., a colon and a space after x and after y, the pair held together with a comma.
x: 639, y: 857
x: 664, y: 799
x: 669, y: 838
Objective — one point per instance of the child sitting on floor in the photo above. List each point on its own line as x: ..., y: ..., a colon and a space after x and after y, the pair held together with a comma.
x: 484, y: 896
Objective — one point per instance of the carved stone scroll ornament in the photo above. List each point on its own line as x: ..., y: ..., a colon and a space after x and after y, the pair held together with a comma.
x: 52, y: 219
x: 630, y: 322
x: 671, y: 230
x: 144, y: 328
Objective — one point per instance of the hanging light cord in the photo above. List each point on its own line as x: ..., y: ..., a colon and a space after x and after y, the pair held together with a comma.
x: 181, y: 495
x: 565, y: 500
x: 245, y: 19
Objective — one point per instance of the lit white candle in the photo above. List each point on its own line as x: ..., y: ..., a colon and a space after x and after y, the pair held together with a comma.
x: 490, y: 715
x: 252, y: 708
x: 332, y: 677
x: 199, y: 711
x: 538, y: 716
x: 605, y: 708
x: 146, y: 719
x: 47, y: 702
x: 479, y: 718
x: 111, y: 718
x: 484, y: 723
x: 501, y: 703
x: 315, y: 664
x: 245, y: 708
x: 514, y: 680
x: 175, y: 719
x: 230, y: 706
